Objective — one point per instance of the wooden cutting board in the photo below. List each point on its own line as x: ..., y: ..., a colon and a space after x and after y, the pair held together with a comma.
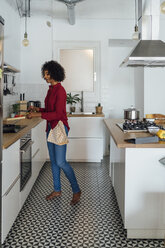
x: 15, y: 118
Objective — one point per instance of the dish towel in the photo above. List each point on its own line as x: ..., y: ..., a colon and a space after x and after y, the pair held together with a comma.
x: 58, y: 135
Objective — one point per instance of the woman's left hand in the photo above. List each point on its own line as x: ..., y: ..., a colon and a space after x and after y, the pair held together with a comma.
x: 30, y: 115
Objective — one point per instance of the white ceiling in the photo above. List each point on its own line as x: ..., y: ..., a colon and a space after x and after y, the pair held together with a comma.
x: 86, y: 9
x: 92, y: 9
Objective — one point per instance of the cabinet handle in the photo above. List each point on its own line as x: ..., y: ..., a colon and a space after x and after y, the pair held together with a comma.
x: 12, y: 185
x: 36, y: 152
x: 162, y: 161
x: 26, y: 146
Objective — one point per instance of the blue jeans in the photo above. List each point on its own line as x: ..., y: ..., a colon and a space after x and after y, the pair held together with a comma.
x: 57, y: 156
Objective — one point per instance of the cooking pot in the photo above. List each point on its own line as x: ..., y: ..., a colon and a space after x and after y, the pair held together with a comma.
x: 31, y: 104
x: 34, y: 104
x: 131, y: 114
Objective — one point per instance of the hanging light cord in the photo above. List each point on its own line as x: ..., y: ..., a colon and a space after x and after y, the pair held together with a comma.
x: 136, y: 21
x: 26, y: 16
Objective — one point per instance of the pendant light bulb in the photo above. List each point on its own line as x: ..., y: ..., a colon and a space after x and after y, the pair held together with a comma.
x: 25, y: 41
x: 162, y: 7
x: 135, y: 35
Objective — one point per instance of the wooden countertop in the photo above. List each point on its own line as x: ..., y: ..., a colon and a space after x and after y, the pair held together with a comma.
x: 10, y: 138
x: 119, y: 136
x: 85, y: 115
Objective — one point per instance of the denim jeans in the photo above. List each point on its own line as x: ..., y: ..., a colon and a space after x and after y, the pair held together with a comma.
x: 57, y: 156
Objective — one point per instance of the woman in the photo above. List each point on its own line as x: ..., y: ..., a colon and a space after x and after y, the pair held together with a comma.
x: 55, y: 110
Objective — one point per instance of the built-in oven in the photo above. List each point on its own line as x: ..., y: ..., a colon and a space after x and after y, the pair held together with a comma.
x: 25, y: 159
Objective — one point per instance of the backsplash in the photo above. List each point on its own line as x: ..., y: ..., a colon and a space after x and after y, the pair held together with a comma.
x: 37, y: 92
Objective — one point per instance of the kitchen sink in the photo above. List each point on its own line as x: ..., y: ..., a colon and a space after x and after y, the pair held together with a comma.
x: 82, y: 113
x: 12, y: 128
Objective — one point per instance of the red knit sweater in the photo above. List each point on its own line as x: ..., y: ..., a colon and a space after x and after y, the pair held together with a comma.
x: 55, y: 106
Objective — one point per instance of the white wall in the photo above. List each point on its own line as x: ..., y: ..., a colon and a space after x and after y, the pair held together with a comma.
x: 12, y: 49
x: 154, y: 83
x: 139, y: 89
x: 116, y: 87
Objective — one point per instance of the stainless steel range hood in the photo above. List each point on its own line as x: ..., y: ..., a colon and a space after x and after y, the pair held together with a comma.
x: 150, y: 50
x: 150, y: 53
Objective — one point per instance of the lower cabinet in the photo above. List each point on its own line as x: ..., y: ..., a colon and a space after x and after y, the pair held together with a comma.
x: 85, y: 139
x: 85, y: 149
x: 10, y: 187
x: 39, y: 149
x: 10, y: 208
x: 12, y: 198
x: 38, y: 158
x: 138, y: 179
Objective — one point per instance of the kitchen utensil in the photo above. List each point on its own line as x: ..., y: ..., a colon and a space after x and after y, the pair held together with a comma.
x: 16, y: 118
x: 7, y: 90
x: 131, y: 113
x: 13, y: 80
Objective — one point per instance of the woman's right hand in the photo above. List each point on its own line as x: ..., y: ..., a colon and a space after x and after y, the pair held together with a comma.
x: 33, y: 109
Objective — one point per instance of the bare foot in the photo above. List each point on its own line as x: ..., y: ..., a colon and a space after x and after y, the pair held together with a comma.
x: 53, y: 194
x: 76, y: 198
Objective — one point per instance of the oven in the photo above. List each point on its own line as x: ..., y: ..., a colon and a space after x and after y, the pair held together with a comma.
x: 25, y: 159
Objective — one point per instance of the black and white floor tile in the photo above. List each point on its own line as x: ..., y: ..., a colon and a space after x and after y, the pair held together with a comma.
x: 95, y: 222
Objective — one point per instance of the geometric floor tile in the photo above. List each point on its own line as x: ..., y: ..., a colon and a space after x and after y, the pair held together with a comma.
x: 95, y: 222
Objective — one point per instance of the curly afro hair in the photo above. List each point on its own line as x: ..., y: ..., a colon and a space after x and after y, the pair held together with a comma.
x: 55, y: 70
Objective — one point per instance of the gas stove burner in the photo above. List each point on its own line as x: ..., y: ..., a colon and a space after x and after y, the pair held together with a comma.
x: 136, y: 126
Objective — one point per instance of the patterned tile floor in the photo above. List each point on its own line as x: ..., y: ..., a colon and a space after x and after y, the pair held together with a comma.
x: 95, y: 222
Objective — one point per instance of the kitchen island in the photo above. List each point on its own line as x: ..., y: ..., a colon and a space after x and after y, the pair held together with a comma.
x: 138, y: 178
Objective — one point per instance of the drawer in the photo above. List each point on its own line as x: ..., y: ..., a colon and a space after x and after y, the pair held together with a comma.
x: 90, y: 150
x: 10, y: 165
x: 86, y: 127
x: 10, y: 208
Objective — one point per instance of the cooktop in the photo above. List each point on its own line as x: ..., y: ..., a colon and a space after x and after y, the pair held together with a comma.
x: 135, y: 126
x: 12, y: 128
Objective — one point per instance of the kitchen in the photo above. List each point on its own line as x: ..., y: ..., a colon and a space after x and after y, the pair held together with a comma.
x: 118, y: 88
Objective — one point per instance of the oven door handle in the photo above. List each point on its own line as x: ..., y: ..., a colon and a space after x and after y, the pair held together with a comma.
x: 26, y: 146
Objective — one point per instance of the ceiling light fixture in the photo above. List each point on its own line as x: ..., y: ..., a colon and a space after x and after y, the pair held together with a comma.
x: 25, y: 41
x: 135, y: 35
x: 162, y: 7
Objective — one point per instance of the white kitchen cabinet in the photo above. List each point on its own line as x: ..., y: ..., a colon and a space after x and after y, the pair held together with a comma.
x: 85, y: 139
x: 10, y: 208
x: 10, y: 165
x: 39, y: 149
x: 10, y: 187
x: 138, y: 180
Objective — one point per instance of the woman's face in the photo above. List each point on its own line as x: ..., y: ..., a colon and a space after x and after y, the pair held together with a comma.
x: 47, y: 77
